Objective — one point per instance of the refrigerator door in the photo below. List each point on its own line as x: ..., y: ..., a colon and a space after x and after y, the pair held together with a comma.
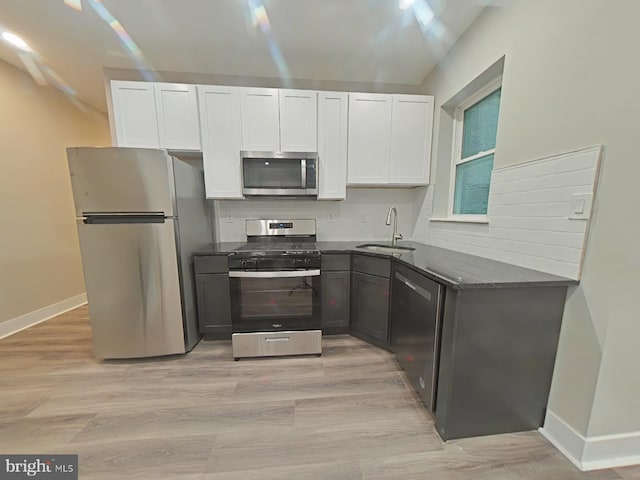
x: 112, y: 179
x: 193, y: 232
x: 131, y: 277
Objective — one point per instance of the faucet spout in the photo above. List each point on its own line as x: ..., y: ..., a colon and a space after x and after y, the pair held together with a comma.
x: 391, y: 210
x: 395, y: 236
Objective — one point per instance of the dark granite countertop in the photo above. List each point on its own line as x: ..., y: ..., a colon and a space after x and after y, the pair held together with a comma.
x: 454, y: 269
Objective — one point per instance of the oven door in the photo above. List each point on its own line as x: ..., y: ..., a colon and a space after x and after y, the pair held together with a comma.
x: 272, y: 301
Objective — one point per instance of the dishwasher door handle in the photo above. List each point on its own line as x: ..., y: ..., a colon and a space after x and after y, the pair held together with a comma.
x: 416, y: 288
x: 281, y: 274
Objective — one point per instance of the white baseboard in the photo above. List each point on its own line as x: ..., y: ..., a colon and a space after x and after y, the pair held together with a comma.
x: 608, y: 451
x: 564, y: 438
x: 591, y: 453
x: 27, y: 320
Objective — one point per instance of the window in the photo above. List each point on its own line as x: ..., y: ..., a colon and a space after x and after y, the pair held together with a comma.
x: 476, y: 125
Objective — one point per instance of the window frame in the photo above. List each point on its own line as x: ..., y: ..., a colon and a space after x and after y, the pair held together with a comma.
x: 456, y: 157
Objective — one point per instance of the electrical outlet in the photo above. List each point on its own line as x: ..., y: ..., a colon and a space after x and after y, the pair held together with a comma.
x: 229, y: 218
x: 331, y: 217
x: 363, y: 218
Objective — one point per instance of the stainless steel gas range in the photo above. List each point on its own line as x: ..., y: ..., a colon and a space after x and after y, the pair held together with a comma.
x: 275, y: 290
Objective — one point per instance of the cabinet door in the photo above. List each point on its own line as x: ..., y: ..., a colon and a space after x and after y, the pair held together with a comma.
x: 411, y: 129
x: 260, y: 119
x: 178, y: 122
x: 298, y: 120
x: 214, y: 305
x: 134, y: 112
x: 370, y: 305
x: 220, y: 126
x: 332, y: 145
x: 335, y: 299
x: 369, y: 138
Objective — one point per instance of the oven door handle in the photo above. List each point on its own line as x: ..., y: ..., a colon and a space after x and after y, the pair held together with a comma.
x: 281, y: 274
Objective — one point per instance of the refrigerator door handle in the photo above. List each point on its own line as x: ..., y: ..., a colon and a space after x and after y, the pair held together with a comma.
x: 110, y: 218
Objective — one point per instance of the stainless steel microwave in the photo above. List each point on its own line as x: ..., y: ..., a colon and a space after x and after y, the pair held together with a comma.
x: 280, y: 173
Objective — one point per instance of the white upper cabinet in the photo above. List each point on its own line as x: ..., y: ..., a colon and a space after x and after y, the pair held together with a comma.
x: 389, y: 139
x: 260, y: 119
x: 221, y: 142
x: 279, y: 120
x: 155, y: 115
x: 369, y: 138
x: 177, y: 113
x: 411, y: 130
x: 298, y: 120
x: 134, y: 112
x: 361, y: 138
x: 332, y: 145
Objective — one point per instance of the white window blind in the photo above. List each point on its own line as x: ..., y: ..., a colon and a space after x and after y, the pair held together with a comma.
x: 474, y: 165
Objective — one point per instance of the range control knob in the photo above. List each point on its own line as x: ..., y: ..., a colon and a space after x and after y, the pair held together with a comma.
x: 246, y: 264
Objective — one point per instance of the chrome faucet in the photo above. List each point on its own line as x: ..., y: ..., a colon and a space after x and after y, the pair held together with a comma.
x: 395, y: 236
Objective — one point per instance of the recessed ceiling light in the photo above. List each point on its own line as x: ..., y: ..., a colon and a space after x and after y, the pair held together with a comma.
x: 404, y: 4
x: 16, y: 41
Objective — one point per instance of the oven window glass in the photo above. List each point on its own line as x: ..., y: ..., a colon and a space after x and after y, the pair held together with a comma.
x: 272, y: 173
x: 276, y: 298
x: 273, y: 304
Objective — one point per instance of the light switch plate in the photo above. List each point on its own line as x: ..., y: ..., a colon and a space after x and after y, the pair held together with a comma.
x: 229, y: 218
x: 580, y: 207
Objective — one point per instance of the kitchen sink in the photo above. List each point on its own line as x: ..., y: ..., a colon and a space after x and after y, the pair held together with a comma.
x: 397, y: 250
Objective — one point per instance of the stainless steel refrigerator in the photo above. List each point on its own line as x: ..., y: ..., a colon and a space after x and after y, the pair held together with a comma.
x: 140, y: 215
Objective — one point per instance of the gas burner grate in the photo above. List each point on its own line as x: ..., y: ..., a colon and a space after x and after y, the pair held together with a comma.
x: 278, y: 247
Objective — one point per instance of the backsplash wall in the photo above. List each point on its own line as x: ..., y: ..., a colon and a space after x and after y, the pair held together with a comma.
x: 360, y: 217
x: 529, y: 209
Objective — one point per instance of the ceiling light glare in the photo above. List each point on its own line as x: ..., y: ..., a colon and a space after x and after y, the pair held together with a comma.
x: 16, y: 41
x: 75, y: 4
x: 404, y: 4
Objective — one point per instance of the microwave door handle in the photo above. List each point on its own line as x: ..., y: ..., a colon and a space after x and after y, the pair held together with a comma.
x: 303, y: 166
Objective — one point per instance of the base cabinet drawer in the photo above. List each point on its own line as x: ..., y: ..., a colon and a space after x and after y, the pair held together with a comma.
x: 274, y: 344
x: 214, y: 305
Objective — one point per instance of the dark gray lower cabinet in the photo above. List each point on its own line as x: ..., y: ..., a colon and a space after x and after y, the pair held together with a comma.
x: 336, y: 288
x: 370, y: 297
x: 213, y: 295
x: 214, y: 306
x: 497, y: 353
x: 416, y: 314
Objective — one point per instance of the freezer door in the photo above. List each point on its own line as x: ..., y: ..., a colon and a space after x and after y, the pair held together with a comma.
x: 112, y: 179
x: 132, y: 283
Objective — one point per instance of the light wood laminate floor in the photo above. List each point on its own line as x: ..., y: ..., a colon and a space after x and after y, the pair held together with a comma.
x: 346, y: 415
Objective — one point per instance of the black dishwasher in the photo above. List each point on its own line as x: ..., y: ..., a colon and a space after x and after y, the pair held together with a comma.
x: 416, y: 312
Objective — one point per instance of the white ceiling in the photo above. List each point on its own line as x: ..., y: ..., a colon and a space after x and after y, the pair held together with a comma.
x: 371, y: 41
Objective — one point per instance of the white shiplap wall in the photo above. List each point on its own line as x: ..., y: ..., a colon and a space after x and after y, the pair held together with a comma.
x: 529, y: 208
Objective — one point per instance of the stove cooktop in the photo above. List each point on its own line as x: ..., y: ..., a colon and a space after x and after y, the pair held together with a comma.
x: 281, y: 248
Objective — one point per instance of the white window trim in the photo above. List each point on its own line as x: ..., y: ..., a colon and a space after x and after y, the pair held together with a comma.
x: 456, y: 150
